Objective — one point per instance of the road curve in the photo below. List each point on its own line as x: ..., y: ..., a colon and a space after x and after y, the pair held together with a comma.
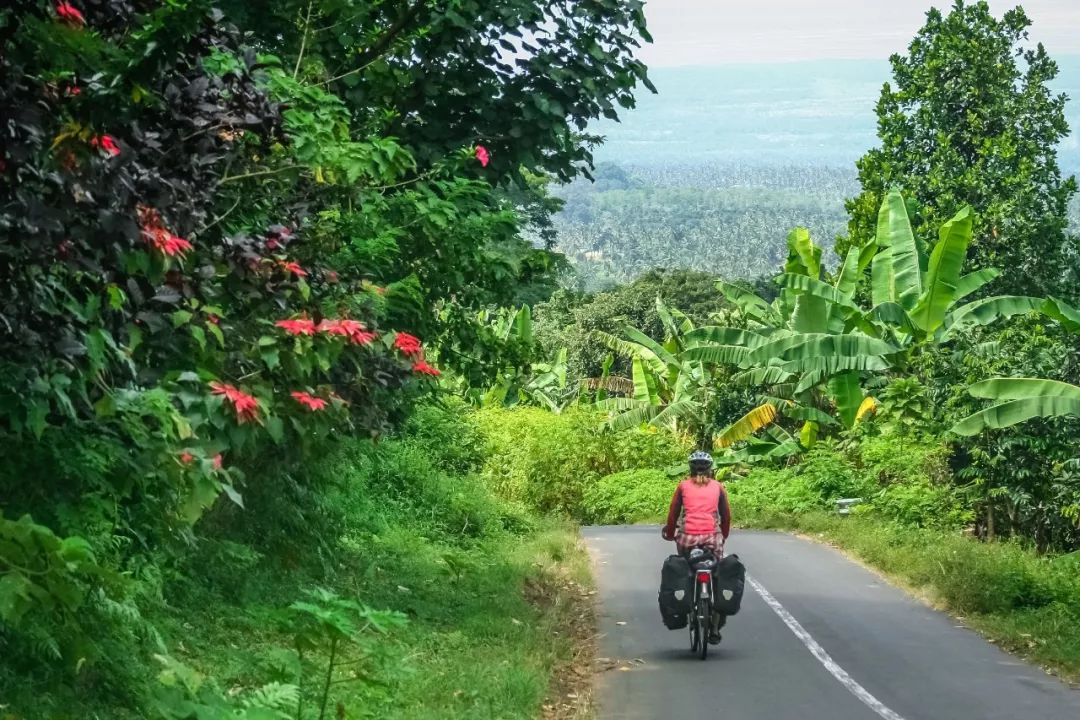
x: 827, y: 640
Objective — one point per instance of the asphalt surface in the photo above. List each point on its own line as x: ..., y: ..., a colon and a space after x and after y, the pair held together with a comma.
x: 890, y: 656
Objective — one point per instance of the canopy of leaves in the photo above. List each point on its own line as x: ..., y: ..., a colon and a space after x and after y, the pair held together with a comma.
x: 969, y: 120
x: 233, y: 232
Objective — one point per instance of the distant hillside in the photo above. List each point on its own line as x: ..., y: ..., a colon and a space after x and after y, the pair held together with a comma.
x: 713, y: 172
x: 728, y: 220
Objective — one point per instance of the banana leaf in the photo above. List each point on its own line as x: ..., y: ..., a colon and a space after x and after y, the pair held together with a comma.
x: 846, y: 393
x: 972, y: 282
x: 943, y: 276
x: 1024, y: 399
x: 989, y: 310
x: 895, y: 272
x: 747, y: 425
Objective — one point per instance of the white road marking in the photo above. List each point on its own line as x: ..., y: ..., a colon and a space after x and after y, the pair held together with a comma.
x: 823, y: 657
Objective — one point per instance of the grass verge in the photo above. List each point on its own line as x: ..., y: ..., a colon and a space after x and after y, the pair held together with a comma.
x: 436, y: 597
x: 495, y: 632
x: 1025, y: 603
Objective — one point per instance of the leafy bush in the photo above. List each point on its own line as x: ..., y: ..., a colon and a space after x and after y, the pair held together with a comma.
x: 548, y: 461
x: 630, y: 496
x: 906, y: 480
x: 765, y: 492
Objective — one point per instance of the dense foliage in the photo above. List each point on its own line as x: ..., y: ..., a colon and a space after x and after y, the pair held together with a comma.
x: 571, y: 320
x: 969, y: 119
x: 548, y: 461
x: 234, y: 235
x: 814, y: 363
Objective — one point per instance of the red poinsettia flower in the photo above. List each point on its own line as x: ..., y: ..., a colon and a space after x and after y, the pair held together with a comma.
x: 308, y: 400
x: 408, y: 344
x: 186, y: 457
x: 483, y: 155
x: 217, y: 461
x: 351, y: 329
x: 174, y: 246
x: 106, y: 143
x: 158, y: 237
x: 335, y: 327
x: 362, y: 337
x: 421, y: 366
x: 70, y: 14
x: 299, y: 326
x: 294, y: 268
x: 245, y: 406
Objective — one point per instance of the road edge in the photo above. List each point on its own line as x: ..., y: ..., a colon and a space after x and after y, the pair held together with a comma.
x: 926, y: 598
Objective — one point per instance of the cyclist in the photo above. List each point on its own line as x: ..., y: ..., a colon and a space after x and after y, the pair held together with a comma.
x: 702, y: 501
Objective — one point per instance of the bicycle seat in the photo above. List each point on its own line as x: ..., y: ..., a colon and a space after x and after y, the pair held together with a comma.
x: 702, y: 558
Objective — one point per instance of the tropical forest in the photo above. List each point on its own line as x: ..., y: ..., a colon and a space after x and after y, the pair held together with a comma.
x: 326, y: 325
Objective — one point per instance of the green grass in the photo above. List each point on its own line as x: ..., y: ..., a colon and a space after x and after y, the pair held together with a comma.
x: 494, y: 595
x: 475, y: 645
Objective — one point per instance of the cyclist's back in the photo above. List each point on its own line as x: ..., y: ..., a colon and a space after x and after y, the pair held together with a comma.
x: 702, y: 503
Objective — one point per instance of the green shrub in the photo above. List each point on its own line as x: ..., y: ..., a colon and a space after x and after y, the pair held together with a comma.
x: 823, y: 476
x: 905, y: 480
x: 920, y: 503
x: 630, y: 496
x: 889, y: 459
x: 767, y: 491
x: 547, y: 461
x: 967, y: 575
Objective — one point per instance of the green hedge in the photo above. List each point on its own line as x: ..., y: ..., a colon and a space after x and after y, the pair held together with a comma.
x: 549, y: 461
x: 630, y: 496
x: 901, y: 480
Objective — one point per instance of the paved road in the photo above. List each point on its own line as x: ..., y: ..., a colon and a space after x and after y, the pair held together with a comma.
x: 836, y: 643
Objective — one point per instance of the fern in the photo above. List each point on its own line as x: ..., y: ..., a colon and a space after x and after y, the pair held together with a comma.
x: 279, y: 697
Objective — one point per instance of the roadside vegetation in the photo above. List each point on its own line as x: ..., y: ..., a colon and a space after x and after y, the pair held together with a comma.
x: 297, y: 421
x: 239, y: 254
x: 932, y: 373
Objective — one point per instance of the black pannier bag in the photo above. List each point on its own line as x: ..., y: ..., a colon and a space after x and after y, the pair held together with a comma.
x: 730, y: 578
x: 676, y: 592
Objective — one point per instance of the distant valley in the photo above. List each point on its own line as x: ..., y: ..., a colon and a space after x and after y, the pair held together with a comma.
x: 714, y: 171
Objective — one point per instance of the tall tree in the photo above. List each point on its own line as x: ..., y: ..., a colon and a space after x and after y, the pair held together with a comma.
x: 970, y: 120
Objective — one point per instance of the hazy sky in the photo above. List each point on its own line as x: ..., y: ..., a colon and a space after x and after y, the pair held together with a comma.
x: 714, y: 32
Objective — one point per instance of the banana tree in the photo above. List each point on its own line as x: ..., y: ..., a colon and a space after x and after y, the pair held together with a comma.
x: 817, y: 337
x: 1018, y: 400
x: 669, y: 390
x: 543, y: 384
x: 796, y: 344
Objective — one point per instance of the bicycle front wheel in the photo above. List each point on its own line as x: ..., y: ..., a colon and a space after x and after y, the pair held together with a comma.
x: 702, y: 623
